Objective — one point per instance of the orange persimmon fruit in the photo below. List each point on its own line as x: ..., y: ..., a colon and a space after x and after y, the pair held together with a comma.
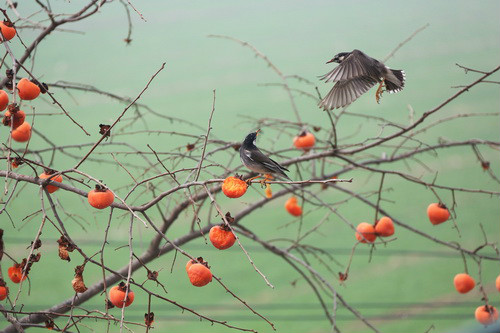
x: 463, y: 283
x: 4, y: 100
x: 199, y: 274
x: 49, y: 174
x: 384, y: 227
x: 189, y: 264
x: 486, y: 315
x: 269, y: 192
x: 15, y: 115
x: 365, y: 233
x: 194, y: 261
x: 27, y: 90
x: 305, y: 141
x: 221, y: 237
x: 100, y: 197
x: 8, y: 30
x: 22, y: 133
x: 437, y: 213
x: 497, y: 283
x: 292, y: 207
x: 234, y: 187
x: 117, y: 295
x: 16, y: 273
x: 4, y: 291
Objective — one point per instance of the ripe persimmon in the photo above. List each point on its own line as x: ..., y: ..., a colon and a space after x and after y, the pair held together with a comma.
x: 117, y: 295
x: 22, y: 133
x: 16, y: 273
x: 437, y: 213
x: 100, y: 197
x: 8, y: 30
x: 4, y: 100
x: 365, y: 233
x: 292, y: 207
x: 15, y: 115
x: 305, y: 140
x: 269, y: 192
x: 194, y: 261
x: 384, y: 227
x: 48, y: 173
x: 497, y: 283
x: 221, y: 237
x: 463, y: 283
x: 4, y: 291
x: 234, y: 187
x: 27, y: 90
x: 486, y: 315
x: 199, y: 274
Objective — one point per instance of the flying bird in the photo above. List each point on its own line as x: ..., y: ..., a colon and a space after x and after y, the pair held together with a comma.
x: 355, y: 75
x: 255, y: 160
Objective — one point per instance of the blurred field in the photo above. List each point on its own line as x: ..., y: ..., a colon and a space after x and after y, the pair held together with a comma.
x: 407, y: 286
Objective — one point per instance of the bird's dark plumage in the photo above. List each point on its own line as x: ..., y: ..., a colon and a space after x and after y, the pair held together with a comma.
x: 355, y: 75
x: 255, y: 160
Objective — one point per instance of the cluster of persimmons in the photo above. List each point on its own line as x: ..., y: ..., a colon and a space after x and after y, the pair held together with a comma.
x: 20, y: 131
x: 235, y: 187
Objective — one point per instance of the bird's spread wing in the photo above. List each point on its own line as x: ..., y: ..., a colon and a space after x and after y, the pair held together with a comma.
x: 346, y: 91
x: 351, y: 67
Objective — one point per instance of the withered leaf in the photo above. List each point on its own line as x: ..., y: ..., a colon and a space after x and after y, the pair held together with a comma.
x: 152, y: 275
x: 149, y: 318
x: 105, y: 130
x: 77, y: 283
x: 49, y: 324
x: 229, y: 218
x: 64, y: 248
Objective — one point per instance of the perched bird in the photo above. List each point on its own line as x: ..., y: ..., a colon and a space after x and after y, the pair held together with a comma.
x: 355, y: 75
x: 255, y: 160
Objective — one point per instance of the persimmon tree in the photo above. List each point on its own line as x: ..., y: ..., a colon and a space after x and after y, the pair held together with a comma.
x: 169, y: 188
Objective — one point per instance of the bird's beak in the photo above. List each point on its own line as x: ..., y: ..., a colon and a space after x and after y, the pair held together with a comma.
x: 257, y: 132
x: 329, y: 61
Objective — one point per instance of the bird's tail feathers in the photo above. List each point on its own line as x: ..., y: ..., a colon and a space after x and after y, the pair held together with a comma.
x: 394, y: 87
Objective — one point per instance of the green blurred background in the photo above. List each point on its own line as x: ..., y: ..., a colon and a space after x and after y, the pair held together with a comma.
x: 407, y: 286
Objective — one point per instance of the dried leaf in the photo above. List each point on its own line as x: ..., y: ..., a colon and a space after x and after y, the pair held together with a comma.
x: 105, y: 130
x: 149, y: 318
x: 342, y: 276
x: 152, y: 275
x: 109, y: 305
x: 64, y: 248
x: 229, y: 218
x: 78, y: 284
x: 49, y: 324
x: 38, y: 244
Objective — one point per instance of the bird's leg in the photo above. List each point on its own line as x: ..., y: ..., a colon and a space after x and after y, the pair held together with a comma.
x: 266, y: 178
x: 379, y: 92
x: 248, y: 181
